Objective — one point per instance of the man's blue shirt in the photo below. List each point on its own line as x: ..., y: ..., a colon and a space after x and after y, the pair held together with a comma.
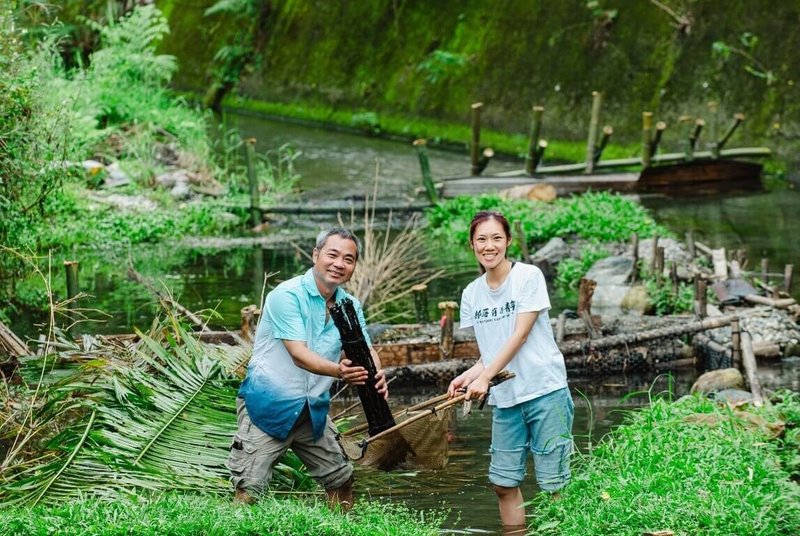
x: 275, y: 389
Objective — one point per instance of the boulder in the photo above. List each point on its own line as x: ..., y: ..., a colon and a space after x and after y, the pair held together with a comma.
x: 718, y: 380
x: 554, y: 251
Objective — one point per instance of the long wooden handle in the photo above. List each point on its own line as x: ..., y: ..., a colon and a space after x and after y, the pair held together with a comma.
x: 415, y: 418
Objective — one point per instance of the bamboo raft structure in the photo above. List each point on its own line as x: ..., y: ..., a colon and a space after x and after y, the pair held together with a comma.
x: 687, y: 172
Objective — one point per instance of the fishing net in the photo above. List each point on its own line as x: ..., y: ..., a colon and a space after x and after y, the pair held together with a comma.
x: 420, y: 440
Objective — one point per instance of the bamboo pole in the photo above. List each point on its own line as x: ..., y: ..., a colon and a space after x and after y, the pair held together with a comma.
x: 647, y: 135
x: 475, y: 145
x: 751, y: 369
x: 425, y: 168
x: 737, y: 120
x: 594, y: 122
x: 252, y: 179
x: 523, y: 242
x: 772, y: 302
x: 420, y: 293
x: 586, y: 346
x: 533, y: 143
x: 541, y: 147
x: 765, y: 270
x: 713, y: 128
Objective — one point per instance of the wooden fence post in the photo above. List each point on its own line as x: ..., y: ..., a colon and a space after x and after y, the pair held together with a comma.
x: 446, y: 341
x: 533, y: 157
x: 252, y: 179
x: 420, y: 292
x: 475, y: 145
x: 594, y: 122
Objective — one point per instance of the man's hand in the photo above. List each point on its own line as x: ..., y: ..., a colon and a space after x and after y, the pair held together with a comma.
x: 353, y: 375
x: 381, y: 385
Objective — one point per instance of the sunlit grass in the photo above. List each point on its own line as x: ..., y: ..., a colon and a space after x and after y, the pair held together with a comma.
x: 659, y: 471
x: 210, y: 515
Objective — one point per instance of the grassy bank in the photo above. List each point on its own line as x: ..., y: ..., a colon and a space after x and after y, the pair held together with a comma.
x: 442, y: 133
x: 690, y: 467
x: 209, y: 515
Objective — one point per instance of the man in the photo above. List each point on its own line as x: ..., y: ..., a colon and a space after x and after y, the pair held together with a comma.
x: 284, y: 399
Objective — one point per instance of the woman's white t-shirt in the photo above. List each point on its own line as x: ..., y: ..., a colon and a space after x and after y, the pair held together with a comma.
x: 539, y: 364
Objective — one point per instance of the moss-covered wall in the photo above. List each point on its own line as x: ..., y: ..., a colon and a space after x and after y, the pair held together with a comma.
x: 433, y: 58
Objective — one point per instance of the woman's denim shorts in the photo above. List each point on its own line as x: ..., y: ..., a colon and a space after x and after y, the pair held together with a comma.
x: 543, y: 426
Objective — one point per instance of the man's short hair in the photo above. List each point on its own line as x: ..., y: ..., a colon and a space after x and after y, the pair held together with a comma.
x: 322, y: 238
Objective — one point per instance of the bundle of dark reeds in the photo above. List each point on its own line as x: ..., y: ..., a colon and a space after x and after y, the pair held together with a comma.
x: 376, y: 409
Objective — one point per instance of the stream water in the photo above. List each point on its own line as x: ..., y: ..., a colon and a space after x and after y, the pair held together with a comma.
x: 341, y: 165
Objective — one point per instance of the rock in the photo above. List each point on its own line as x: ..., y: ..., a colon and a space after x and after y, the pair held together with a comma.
x: 116, y: 177
x: 717, y: 380
x: 611, y: 270
x: 531, y: 192
x: 637, y: 300
x: 180, y: 191
x: 554, y: 251
x: 733, y: 396
x: 93, y: 167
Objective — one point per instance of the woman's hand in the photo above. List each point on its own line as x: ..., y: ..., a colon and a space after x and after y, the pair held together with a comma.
x: 460, y: 382
x: 353, y: 375
x: 478, y: 389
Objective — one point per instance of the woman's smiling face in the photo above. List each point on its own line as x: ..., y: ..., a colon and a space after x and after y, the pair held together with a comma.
x: 490, y: 242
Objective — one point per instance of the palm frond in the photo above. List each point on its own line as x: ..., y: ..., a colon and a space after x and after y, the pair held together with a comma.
x: 159, y: 417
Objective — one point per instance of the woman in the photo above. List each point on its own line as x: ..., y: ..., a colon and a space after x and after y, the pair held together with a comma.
x: 507, y: 306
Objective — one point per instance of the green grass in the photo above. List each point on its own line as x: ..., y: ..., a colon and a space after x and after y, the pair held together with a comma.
x: 175, y: 514
x: 660, y: 472
x: 436, y: 132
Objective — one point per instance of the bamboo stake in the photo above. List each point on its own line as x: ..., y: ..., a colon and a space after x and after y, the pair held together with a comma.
x: 533, y: 148
x: 476, y: 138
x: 252, y: 179
x: 737, y: 120
x: 594, y: 122
x: 486, y: 157
x: 523, y: 242
x: 598, y: 151
x: 661, y: 126
x: 425, y: 168
x: 659, y: 268
x: 647, y: 133
x: 635, y: 250
x: 690, y: 244
x: 787, y: 278
x: 654, y: 255
x: 694, y: 135
x: 446, y: 341
x: 736, y: 342
x: 420, y: 292
x: 561, y: 325
x: 700, y: 301
x: 751, y: 369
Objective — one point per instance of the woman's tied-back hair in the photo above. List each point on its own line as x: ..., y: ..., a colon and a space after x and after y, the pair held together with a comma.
x: 486, y: 215
x: 322, y: 238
